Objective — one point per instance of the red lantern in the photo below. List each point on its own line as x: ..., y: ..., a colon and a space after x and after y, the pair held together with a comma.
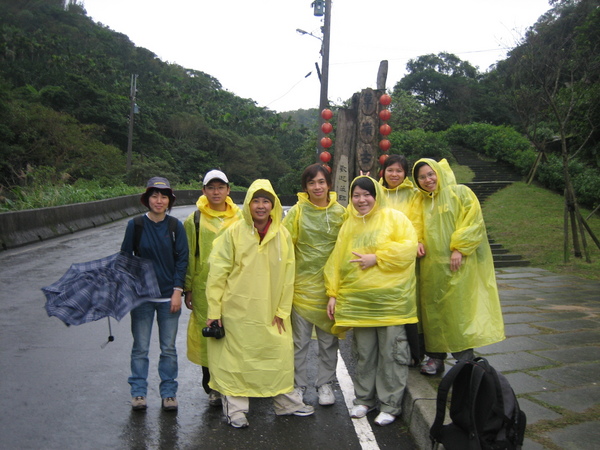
x: 326, y: 114
x: 381, y: 173
x: 385, y: 145
x: 326, y: 142
x: 385, y: 99
x: 326, y: 128
x: 325, y: 156
x: 385, y: 129
x: 327, y: 167
x: 385, y: 114
x: 382, y: 158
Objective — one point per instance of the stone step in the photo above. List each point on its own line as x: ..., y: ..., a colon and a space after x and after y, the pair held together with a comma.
x: 511, y: 263
x: 489, y: 178
x: 506, y: 257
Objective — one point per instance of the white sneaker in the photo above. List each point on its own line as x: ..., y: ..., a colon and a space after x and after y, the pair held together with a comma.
x: 360, y: 411
x: 300, y: 390
x: 384, y: 419
x: 238, y: 420
x: 326, y: 395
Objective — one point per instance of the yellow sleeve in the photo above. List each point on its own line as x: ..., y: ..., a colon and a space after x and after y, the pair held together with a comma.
x: 284, y: 309
x: 331, y: 271
x: 401, y: 250
x: 221, y: 264
x: 290, y: 222
x: 190, y: 232
x: 416, y: 214
x: 470, y: 228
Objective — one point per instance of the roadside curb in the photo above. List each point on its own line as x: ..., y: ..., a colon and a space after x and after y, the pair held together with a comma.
x: 418, y: 407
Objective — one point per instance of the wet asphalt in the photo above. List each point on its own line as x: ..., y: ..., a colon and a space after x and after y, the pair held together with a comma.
x: 61, y: 389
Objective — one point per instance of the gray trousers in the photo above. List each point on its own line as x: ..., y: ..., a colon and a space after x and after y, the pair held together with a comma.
x: 328, y: 345
x: 382, y: 356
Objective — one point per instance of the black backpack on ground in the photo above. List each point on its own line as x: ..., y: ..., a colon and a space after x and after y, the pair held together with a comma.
x: 484, y: 410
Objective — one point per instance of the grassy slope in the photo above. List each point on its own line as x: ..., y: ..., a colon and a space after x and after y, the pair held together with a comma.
x: 528, y: 220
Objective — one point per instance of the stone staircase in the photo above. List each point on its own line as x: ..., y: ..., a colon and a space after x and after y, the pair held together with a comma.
x: 490, y: 177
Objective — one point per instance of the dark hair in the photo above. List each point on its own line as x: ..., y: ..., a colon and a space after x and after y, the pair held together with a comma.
x: 365, y: 183
x: 312, y: 171
x: 416, y: 171
x: 150, y: 191
x: 394, y: 159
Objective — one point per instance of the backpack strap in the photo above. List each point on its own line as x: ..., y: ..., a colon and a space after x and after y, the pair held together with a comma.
x: 498, y: 407
x: 138, y: 226
x: 477, y: 375
x: 442, y: 397
x: 173, y: 222
x: 197, y: 224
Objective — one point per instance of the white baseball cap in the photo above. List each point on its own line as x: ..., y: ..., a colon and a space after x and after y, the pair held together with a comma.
x: 215, y: 175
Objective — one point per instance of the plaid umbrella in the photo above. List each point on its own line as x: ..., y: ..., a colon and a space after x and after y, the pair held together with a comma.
x: 107, y: 287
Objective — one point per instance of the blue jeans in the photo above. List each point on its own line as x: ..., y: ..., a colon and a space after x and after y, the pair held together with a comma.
x: 142, y: 319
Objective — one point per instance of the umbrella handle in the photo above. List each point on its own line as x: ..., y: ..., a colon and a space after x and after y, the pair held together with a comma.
x: 111, y: 338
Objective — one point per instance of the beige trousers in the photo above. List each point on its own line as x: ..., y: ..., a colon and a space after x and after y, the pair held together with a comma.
x: 284, y: 404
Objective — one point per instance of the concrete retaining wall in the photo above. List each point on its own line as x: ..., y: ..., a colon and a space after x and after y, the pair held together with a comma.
x: 19, y: 228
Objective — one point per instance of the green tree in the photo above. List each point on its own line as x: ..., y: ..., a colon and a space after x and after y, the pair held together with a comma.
x: 445, y: 85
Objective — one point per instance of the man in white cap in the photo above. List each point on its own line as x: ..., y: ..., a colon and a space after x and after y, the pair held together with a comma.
x: 216, y: 211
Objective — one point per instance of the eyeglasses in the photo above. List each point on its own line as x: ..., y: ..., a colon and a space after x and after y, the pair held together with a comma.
x: 427, y: 175
x: 220, y: 188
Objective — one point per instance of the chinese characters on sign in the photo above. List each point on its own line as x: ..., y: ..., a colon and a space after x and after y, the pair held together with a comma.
x: 341, y: 181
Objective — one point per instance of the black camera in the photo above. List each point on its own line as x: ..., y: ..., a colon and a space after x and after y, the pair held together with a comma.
x: 214, y: 331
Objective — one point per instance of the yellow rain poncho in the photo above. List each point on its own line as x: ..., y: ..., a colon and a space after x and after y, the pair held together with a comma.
x: 406, y: 198
x: 459, y: 310
x: 211, y: 224
x: 314, y: 230
x: 382, y: 295
x: 249, y: 283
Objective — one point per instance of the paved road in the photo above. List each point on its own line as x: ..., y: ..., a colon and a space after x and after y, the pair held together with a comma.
x: 60, y: 389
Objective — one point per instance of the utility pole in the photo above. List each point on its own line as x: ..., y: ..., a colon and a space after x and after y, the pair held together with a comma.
x: 323, y: 100
x: 132, y: 92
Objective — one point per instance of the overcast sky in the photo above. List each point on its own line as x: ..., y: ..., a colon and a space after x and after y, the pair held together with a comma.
x: 253, y: 49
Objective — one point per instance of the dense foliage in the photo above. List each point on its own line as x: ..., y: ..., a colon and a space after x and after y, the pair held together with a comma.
x: 547, y: 90
x: 65, y: 101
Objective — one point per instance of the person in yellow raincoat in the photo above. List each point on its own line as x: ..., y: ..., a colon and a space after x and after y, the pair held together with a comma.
x: 216, y: 211
x: 314, y: 223
x: 249, y: 290
x: 459, y: 303
x: 403, y: 196
x: 370, y: 279
x: 400, y: 192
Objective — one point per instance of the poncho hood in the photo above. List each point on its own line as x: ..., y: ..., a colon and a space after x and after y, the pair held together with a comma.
x: 276, y: 212
x: 445, y: 175
x: 231, y: 211
x: 381, y: 200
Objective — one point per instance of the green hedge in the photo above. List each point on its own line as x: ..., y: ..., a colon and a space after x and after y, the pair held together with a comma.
x: 500, y: 142
x: 416, y: 144
x: 585, y: 179
x: 506, y: 144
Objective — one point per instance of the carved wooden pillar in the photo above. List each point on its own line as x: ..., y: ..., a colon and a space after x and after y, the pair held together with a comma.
x: 345, y: 142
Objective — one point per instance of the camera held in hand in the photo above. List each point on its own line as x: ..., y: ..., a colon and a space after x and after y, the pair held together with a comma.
x: 214, y: 330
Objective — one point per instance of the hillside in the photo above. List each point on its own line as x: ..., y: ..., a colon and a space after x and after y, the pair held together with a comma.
x: 64, y: 110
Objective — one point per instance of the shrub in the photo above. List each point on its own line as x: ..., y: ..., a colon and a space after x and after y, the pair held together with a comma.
x: 585, y: 179
x: 416, y: 144
x: 506, y: 144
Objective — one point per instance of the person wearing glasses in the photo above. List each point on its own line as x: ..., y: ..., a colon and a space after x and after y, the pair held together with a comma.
x: 216, y: 212
x: 371, y: 283
x: 459, y: 303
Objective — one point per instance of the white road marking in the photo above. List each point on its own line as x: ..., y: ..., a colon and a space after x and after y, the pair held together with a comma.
x: 363, y: 429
